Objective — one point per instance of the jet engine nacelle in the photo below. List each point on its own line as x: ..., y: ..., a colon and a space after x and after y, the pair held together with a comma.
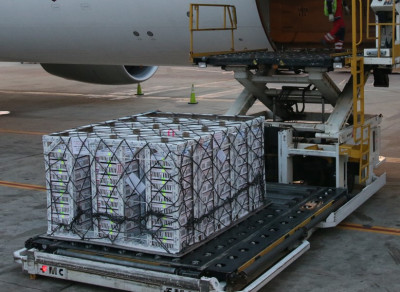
x: 102, y: 74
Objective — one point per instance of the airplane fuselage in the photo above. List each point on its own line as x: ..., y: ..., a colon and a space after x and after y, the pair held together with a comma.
x: 122, y: 32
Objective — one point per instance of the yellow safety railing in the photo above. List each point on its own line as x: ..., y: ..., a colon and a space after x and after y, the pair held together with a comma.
x: 361, y: 132
x: 379, y: 25
x: 229, y: 24
x: 357, y: 70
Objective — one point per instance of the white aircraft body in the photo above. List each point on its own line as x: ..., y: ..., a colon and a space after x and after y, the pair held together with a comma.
x: 120, y: 41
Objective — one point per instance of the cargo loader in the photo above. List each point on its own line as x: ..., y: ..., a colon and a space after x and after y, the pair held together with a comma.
x: 318, y: 168
x: 245, y: 257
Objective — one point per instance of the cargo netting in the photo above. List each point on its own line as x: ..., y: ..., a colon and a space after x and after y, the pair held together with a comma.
x: 157, y: 182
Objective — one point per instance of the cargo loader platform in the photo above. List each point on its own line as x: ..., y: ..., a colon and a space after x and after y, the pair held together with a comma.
x: 246, y: 253
x: 291, y: 59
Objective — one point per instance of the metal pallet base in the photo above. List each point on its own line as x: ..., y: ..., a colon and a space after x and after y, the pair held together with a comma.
x: 229, y: 262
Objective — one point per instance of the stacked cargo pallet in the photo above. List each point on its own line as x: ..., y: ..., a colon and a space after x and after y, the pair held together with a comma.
x: 68, y: 187
x: 156, y: 182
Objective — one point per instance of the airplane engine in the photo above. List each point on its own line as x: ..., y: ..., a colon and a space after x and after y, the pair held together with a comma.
x: 102, y: 74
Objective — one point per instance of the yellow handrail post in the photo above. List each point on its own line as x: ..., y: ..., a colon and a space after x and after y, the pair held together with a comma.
x: 224, y: 16
x: 191, y: 28
x: 232, y: 33
x: 197, y: 16
x: 361, y: 23
x: 393, y: 31
x: 368, y: 16
x: 354, y: 30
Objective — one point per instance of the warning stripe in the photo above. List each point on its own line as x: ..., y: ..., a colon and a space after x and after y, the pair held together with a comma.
x: 284, y: 237
x: 21, y: 186
x: 21, y: 132
x: 366, y: 228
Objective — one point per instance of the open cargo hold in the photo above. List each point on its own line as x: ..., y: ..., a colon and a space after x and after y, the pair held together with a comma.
x: 157, y: 182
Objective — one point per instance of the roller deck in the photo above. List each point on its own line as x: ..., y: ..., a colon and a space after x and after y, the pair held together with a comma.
x: 292, y: 59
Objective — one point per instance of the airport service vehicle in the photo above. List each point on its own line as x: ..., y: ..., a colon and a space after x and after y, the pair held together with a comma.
x: 338, y: 150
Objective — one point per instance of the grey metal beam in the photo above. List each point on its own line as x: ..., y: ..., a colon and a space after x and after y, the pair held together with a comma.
x: 325, y: 84
x: 242, y: 103
x: 342, y: 110
x: 281, y: 79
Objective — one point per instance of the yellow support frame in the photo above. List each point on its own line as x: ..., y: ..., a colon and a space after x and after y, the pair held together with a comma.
x: 361, y: 139
x: 361, y: 132
x: 230, y: 24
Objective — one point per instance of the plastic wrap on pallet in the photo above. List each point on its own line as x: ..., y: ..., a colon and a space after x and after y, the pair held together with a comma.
x: 157, y: 182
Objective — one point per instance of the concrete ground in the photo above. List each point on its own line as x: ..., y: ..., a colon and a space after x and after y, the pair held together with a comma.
x: 339, y: 259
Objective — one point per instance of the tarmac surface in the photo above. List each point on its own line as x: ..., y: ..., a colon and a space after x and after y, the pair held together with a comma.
x: 366, y: 258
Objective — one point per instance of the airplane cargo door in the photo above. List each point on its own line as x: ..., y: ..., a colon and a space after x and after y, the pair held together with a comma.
x: 299, y: 24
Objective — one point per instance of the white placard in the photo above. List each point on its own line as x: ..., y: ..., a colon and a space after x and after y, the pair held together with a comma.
x: 221, y: 156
